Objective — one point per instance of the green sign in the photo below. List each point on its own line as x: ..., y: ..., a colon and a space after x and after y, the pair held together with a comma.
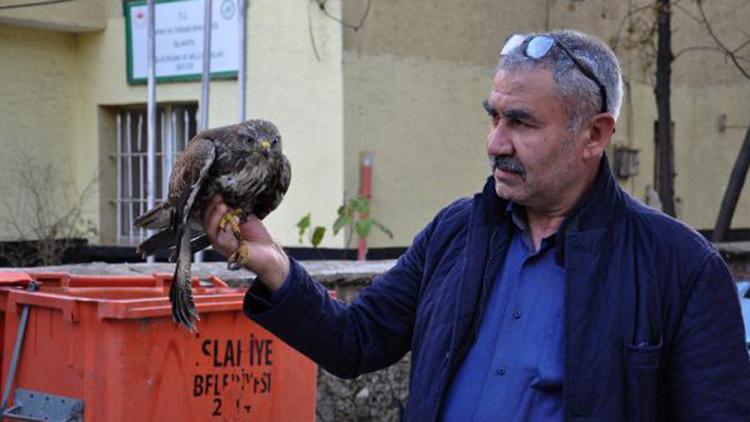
x: 179, y: 40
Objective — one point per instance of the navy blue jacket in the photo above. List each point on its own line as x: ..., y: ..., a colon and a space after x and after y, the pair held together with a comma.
x: 652, y: 320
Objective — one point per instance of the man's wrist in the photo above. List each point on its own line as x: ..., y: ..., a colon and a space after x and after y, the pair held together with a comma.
x: 275, y: 274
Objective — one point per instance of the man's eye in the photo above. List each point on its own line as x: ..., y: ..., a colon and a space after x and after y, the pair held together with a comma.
x: 490, y: 111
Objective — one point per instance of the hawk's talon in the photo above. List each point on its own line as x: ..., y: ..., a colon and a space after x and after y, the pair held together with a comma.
x: 239, y: 257
x: 232, y: 219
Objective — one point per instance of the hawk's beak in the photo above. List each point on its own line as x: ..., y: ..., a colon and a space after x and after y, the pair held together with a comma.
x: 265, y: 145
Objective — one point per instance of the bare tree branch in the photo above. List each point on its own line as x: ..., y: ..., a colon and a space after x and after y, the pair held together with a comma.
x: 697, y: 48
x: 743, y: 45
x: 729, y: 52
x: 629, y: 15
x: 688, y: 12
x: 44, y: 213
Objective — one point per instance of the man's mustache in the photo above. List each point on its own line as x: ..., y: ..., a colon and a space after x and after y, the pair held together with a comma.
x: 508, y: 164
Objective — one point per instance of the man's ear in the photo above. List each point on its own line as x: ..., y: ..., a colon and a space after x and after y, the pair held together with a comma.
x: 599, y: 133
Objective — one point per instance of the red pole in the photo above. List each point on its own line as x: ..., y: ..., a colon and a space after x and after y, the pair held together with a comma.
x: 365, y: 189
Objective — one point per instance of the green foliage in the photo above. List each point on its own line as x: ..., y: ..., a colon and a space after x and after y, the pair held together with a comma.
x: 303, y: 224
x: 354, y: 215
x: 363, y: 227
x: 317, y: 234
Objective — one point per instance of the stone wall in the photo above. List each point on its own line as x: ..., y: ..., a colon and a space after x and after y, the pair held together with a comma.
x: 737, y: 257
x: 377, y: 396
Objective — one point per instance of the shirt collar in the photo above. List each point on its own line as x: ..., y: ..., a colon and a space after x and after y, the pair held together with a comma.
x: 517, y: 215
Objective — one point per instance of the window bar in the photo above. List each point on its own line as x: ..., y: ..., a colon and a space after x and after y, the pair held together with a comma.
x: 141, y: 176
x: 129, y: 161
x: 185, y: 131
x: 139, y: 138
x: 118, y: 202
x: 171, y: 146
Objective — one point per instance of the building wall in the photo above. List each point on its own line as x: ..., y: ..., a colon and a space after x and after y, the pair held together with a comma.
x: 414, y: 80
x: 36, y: 128
x: 415, y: 74
x: 75, y: 81
x: 424, y: 126
x: 406, y: 87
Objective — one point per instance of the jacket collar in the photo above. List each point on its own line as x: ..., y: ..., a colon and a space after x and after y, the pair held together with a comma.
x: 602, y: 205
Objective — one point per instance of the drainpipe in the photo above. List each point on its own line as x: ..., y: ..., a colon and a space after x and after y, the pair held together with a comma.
x: 365, y: 189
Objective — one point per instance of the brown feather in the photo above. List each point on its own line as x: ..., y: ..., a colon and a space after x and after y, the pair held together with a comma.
x: 229, y: 161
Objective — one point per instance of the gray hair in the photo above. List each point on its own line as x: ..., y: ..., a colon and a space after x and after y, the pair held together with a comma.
x: 579, y: 93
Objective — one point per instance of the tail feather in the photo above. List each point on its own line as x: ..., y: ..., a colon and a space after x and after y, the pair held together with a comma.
x: 163, y: 240
x: 158, y: 217
x: 198, y: 243
x: 180, y: 294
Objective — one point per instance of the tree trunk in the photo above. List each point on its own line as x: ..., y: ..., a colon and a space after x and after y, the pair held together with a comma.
x: 734, y: 188
x: 664, y: 57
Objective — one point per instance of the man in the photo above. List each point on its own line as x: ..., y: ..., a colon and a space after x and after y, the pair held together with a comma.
x: 551, y: 295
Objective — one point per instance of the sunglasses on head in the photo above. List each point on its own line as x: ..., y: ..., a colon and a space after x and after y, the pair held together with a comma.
x: 538, y: 47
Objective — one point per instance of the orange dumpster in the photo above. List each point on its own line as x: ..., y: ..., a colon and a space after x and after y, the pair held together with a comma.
x: 107, y: 348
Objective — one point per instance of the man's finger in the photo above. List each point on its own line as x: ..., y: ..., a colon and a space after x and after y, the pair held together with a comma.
x: 211, y: 206
x: 212, y: 220
x: 215, y: 200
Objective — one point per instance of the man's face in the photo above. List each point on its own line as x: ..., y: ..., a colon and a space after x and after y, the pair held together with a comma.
x: 537, y: 158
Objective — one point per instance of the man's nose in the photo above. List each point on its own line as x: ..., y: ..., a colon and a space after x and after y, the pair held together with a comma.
x: 499, y: 142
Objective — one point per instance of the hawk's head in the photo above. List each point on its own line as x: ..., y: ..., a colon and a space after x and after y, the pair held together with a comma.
x: 260, y: 136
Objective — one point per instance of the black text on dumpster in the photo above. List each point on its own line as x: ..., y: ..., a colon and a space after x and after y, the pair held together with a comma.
x: 239, y: 364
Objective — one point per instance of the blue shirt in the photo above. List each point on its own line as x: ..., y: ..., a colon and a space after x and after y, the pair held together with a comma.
x: 514, y: 370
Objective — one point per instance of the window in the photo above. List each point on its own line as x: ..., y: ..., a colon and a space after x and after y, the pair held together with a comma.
x: 175, y: 126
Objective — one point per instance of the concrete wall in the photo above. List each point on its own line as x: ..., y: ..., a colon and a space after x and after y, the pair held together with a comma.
x: 415, y: 74
x: 70, y: 83
x: 414, y: 79
x: 407, y: 88
x: 37, y: 82
x: 285, y: 82
x: 423, y: 124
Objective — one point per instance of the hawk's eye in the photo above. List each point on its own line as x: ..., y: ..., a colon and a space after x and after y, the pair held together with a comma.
x: 250, y: 140
x: 274, y: 142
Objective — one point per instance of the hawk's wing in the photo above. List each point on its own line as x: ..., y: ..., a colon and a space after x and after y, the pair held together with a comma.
x: 187, y: 178
x: 189, y: 175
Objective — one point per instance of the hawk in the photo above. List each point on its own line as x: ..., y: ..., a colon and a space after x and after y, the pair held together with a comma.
x: 244, y: 164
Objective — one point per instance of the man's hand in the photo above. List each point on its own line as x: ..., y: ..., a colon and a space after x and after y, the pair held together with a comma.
x: 267, y: 259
